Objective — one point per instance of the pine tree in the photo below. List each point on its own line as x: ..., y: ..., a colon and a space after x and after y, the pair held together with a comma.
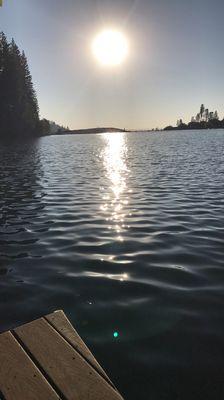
x: 30, y: 104
x: 216, y: 116
x: 211, y: 115
x: 206, y: 114
x: 202, y: 109
x: 4, y: 59
x: 19, y: 113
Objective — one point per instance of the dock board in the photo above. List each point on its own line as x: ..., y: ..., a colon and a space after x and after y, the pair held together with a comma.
x: 47, y: 360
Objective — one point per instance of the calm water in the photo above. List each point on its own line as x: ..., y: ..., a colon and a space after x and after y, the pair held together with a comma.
x: 125, y: 232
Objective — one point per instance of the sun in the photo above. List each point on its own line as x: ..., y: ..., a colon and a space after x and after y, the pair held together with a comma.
x: 110, y: 47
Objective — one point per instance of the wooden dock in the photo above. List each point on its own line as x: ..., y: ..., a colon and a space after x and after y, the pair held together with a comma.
x: 47, y: 360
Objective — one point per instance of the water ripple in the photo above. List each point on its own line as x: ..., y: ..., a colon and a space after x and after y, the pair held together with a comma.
x: 125, y: 233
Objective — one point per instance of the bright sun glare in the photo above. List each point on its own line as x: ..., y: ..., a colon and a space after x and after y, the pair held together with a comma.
x: 110, y: 47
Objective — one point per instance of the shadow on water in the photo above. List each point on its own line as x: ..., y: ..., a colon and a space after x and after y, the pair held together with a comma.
x: 21, y: 205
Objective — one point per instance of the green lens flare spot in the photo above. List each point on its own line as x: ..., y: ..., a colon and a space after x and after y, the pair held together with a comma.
x: 115, y: 334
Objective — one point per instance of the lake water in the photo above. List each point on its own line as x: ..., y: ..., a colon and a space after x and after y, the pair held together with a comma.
x: 125, y: 232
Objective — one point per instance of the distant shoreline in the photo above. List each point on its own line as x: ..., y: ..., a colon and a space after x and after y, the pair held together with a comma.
x: 114, y: 130
x: 90, y: 131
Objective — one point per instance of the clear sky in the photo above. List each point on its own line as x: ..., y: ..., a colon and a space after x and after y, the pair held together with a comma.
x: 175, y: 61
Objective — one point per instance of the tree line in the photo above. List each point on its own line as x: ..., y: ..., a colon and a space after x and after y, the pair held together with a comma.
x: 204, y: 119
x: 19, y: 111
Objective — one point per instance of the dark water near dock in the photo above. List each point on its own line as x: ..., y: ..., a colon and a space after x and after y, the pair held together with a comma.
x: 125, y: 232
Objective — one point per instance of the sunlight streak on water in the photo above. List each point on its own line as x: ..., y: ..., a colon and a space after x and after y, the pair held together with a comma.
x: 115, y: 198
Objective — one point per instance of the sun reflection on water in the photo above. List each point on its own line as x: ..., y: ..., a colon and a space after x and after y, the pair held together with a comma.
x: 117, y: 277
x: 115, y: 198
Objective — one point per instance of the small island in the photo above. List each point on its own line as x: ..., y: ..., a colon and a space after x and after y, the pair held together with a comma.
x: 204, y: 119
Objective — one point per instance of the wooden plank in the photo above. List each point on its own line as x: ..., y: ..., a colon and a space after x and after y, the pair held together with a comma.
x: 19, y: 377
x: 61, y: 323
x: 74, y: 377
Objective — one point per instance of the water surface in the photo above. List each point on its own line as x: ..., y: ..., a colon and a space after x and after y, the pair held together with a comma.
x: 125, y: 232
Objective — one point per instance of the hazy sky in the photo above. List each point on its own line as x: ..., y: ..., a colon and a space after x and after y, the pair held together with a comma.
x: 175, y: 62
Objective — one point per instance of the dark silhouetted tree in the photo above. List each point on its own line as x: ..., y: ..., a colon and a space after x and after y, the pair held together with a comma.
x: 19, y: 113
x: 216, y: 115
x: 202, y: 109
x: 45, y: 127
x: 179, y: 122
x: 211, y: 115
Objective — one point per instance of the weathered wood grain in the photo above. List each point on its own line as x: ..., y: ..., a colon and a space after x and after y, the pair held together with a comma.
x: 72, y: 375
x: 61, y: 323
x: 20, y: 379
